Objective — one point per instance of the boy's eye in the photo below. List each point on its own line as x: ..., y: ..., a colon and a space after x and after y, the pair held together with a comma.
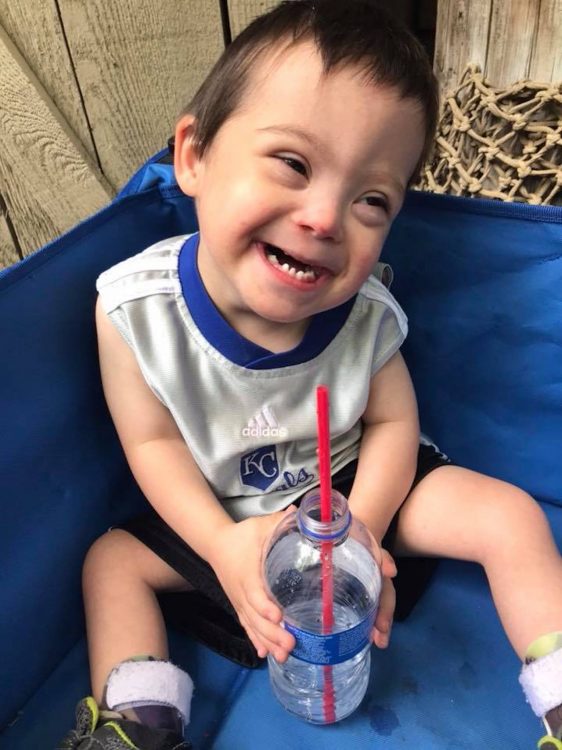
x: 377, y: 201
x: 294, y: 164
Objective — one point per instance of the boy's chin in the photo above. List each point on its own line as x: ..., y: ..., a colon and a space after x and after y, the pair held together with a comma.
x: 276, y: 315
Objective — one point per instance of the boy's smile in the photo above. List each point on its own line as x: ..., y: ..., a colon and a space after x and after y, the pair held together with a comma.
x: 290, y: 265
x: 297, y: 192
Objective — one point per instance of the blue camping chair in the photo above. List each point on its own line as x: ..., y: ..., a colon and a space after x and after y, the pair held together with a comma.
x: 482, y: 284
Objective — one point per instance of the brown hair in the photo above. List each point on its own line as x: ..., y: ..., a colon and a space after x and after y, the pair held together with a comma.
x: 354, y: 32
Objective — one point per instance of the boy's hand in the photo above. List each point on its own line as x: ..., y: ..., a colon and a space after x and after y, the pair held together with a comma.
x: 237, y: 562
x: 383, y: 623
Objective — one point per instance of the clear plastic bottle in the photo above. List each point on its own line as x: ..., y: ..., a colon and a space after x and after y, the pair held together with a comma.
x: 335, y: 663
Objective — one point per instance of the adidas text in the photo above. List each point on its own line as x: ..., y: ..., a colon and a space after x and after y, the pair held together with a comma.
x: 265, y: 431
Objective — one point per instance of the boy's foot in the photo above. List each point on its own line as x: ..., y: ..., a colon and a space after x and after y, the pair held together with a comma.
x: 109, y: 731
x: 87, y: 715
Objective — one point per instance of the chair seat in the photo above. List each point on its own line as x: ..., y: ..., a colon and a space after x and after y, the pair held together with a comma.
x: 49, y: 714
x: 448, y: 681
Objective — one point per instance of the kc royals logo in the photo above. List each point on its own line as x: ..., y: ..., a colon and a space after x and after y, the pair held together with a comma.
x: 259, y: 468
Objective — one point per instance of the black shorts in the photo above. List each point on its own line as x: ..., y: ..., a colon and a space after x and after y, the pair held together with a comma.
x: 206, y: 612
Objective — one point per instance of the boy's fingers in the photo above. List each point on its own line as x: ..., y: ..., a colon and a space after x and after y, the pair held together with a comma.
x: 266, y: 618
x: 388, y: 566
x: 262, y: 604
x: 385, y: 614
x: 265, y: 641
x: 274, y: 636
x: 381, y: 640
x: 387, y: 601
x: 257, y: 644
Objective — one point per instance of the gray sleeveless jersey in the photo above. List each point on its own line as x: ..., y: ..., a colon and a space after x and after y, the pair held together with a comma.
x: 252, y: 432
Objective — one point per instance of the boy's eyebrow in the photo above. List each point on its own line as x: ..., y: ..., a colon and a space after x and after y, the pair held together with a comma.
x: 296, y: 131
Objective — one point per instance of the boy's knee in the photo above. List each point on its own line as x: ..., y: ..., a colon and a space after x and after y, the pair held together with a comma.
x: 514, y: 518
x: 521, y: 510
x: 107, y: 556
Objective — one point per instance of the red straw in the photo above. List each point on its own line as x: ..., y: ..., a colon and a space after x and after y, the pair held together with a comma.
x: 323, y: 414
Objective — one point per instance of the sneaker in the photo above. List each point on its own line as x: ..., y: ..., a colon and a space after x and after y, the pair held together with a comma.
x: 87, y: 715
x: 103, y: 730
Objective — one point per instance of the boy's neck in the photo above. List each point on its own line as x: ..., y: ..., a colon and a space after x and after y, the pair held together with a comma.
x: 275, y: 337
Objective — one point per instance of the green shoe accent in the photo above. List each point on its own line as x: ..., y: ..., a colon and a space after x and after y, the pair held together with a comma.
x: 544, y: 645
x: 549, y: 743
x: 87, y: 716
x: 121, y: 734
x: 112, y: 725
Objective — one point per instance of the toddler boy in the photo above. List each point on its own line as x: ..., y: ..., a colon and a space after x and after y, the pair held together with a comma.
x: 297, y: 150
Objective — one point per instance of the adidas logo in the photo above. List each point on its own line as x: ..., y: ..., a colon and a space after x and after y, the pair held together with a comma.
x: 264, y: 424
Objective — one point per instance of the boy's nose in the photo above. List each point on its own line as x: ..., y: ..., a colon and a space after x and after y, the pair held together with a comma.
x: 322, y: 218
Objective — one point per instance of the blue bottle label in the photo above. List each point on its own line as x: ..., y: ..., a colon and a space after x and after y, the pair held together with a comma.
x: 331, y: 649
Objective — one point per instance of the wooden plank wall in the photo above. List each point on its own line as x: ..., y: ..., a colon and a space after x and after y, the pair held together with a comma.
x: 47, y: 178
x: 138, y: 62
x: 89, y: 90
x: 510, y: 39
x: 9, y: 251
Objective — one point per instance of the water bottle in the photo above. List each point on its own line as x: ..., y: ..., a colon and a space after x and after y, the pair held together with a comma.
x: 326, y: 675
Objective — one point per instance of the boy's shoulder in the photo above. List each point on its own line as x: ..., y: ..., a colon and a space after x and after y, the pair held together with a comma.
x: 152, y: 271
x: 377, y: 286
x: 160, y: 256
x: 377, y: 297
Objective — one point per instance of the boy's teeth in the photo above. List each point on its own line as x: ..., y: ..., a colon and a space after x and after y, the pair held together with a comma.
x: 308, y: 275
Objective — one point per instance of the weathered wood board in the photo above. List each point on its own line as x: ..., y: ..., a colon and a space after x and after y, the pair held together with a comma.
x: 513, y: 27
x: 8, y: 250
x: 546, y: 58
x: 138, y: 63
x: 34, y: 26
x: 461, y: 37
x: 510, y: 40
x: 46, y: 177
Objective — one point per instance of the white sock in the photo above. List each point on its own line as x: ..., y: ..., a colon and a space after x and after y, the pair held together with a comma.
x: 139, y: 683
x: 541, y: 681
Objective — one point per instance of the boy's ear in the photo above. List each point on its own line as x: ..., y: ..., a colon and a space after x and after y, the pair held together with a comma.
x: 186, y: 160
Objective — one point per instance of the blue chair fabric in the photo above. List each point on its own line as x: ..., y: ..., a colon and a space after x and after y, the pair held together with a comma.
x: 481, y: 284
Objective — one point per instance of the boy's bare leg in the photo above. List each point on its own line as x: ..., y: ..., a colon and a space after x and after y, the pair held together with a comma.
x: 457, y: 513
x: 123, y: 617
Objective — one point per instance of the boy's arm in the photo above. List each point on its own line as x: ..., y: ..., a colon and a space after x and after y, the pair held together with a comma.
x: 386, y: 468
x: 174, y: 485
x: 155, y: 450
x: 389, y: 448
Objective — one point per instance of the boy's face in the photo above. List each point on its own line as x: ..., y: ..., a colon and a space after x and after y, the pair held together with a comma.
x: 297, y: 192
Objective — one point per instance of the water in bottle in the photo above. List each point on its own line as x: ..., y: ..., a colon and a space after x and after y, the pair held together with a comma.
x: 337, y: 661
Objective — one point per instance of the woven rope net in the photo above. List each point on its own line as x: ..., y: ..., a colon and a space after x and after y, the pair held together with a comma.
x: 504, y: 144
